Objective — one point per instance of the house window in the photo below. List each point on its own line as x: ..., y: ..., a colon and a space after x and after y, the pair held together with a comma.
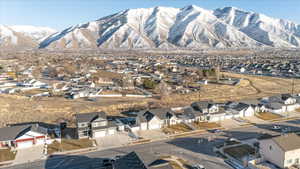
x: 270, y: 147
x: 289, y: 161
x: 297, y: 160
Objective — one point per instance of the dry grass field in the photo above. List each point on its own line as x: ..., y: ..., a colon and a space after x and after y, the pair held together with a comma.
x: 67, y: 145
x: 250, y: 87
x: 15, y: 108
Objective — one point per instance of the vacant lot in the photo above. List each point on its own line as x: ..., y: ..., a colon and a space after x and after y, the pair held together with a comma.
x: 177, y: 128
x: 205, y: 125
x: 238, y: 152
x: 67, y: 145
x: 250, y: 87
x: 268, y: 116
x: 6, y: 155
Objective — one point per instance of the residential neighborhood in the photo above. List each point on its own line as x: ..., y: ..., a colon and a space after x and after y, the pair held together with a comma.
x: 104, y: 131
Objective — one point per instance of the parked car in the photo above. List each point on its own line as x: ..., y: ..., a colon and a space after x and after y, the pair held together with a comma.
x: 275, y: 127
x: 198, y: 166
x: 215, y: 131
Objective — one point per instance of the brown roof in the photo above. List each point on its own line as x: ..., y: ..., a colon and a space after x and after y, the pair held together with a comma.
x: 288, y: 142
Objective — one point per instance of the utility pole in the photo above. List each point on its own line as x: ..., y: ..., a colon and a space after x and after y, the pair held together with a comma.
x: 293, y: 85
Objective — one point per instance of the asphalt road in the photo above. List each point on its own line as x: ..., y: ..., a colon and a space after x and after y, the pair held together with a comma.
x: 187, y: 148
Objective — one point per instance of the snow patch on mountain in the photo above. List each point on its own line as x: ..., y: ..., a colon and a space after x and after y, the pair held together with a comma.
x: 191, y: 26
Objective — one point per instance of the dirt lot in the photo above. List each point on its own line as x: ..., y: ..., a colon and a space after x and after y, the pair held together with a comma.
x: 205, y: 125
x: 268, y: 116
x: 6, y: 155
x: 21, y: 109
x: 238, y: 152
x: 175, y: 129
x: 67, y: 145
x: 249, y: 88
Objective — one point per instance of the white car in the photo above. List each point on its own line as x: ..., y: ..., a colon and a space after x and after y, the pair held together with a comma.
x: 276, y: 127
x: 198, y: 166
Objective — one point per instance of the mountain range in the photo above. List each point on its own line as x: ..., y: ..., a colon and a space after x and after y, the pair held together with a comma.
x: 163, y: 27
x: 23, y: 36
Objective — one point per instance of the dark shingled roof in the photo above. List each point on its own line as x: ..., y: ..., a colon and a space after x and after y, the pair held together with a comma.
x: 240, y: 106
x: 11, y: 133
x: 163, y: 113
x: 202, y: 105
x: 89, y: 117
x: 141, y: 160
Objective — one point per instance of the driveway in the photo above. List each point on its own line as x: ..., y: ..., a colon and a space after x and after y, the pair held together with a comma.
x: 29, y: 154
x: 151, y: 134
x: 118, y: 139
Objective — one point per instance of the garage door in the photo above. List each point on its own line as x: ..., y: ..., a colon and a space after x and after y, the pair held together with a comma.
x: 111, y: 132
x: 154, y: 126
x: 40, y: 141
x: 25, y: 144
x: 100, y: 134
x: 144, y: 126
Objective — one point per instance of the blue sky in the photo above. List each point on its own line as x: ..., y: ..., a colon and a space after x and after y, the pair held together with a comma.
x: 60, y: 14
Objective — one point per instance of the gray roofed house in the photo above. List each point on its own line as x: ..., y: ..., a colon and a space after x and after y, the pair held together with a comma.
x: 283, y: 150
x: 22, y: 136
x: 274, y: 106
x: 163, y: 114
x: 40, y: 127
x: 89, y: 117
x: 94, y: 124
x: 141, y: 160
x: 240, y: 106
x: 287, y: 142
x: 155, y: 118
x: 203, y: 106
x: 11, y: 133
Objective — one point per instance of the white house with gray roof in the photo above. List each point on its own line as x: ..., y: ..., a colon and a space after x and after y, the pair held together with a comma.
x: 283, y: 151
x: 23, y: 136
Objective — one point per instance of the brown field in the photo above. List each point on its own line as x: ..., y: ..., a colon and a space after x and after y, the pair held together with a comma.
x: 50, y: 109
x: 177, y: 128
x: 6, y: 155
x: 251, y: 87
x: 205, y: 125
x: 268, y: 116
x: 67, y: 145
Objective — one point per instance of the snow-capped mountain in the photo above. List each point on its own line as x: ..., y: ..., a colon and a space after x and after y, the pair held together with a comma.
x: 264, y: 29
x: 23, y: 36
x: 191, y: 26
x: 163, y: 27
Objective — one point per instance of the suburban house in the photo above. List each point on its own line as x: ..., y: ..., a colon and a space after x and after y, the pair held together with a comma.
x: 140, y: 160
x: 280, y: 103
x: 189, y: 115
x: 240, y: 109
x: 205, y: 107
x: 274, y: 107
x: 94, y: 125
x: 217, y: 116
x: 255, y: 103
x: 53, y: 130
x: 155, y: 118
x: 283, y: 151
x: 23, y: 136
